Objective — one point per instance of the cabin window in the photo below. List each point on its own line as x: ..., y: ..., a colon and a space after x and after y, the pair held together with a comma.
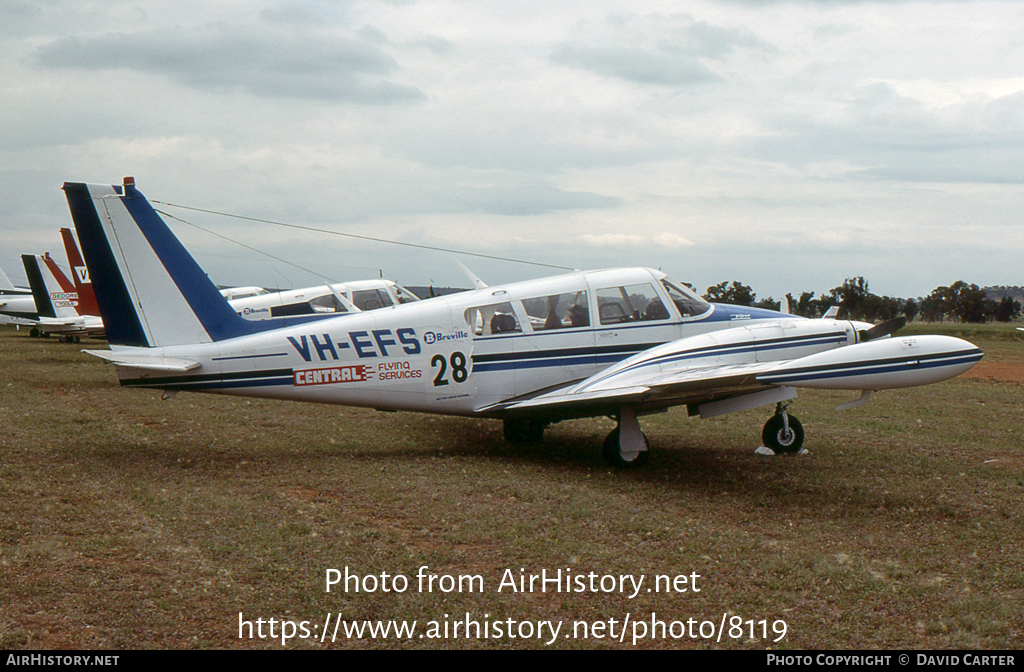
x: 498, y: 318
x: 630, y: 303
x: 558, y: 311
x: 688, y: 303
x: 371, y: 299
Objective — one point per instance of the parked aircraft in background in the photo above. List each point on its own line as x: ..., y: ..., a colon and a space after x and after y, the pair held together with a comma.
x: 57, y: 301
x: 16, y: 303
x: 231, y: 293
x: 343, y: 297
x: 621, y: 343
x: 80, y: 277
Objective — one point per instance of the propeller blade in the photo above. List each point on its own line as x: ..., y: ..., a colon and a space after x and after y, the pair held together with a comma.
x: 883, y: 329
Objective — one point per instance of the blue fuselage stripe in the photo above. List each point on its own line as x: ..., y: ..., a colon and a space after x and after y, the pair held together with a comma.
x: 600, y: 355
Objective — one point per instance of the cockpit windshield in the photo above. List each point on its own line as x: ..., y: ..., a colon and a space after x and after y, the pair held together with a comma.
x: 404, y: 295
x: 686, y: 300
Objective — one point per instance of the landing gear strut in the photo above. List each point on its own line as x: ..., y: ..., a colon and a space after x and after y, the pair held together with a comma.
x: 627, y: 447
x: 783, y: 433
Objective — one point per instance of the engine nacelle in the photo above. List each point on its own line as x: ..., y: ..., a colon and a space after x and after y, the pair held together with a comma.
x: 879, y: 365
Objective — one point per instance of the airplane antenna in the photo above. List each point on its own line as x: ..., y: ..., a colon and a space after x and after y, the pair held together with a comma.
x: 248, y: 247
x: 360, y: 237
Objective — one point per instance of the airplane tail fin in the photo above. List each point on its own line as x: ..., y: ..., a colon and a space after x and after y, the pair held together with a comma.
x: 5, y: 282
x: 150, y: 291
x: 80, y: 276
x: 53, y: 293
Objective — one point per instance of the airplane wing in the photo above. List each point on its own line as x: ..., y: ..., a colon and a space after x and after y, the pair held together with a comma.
x: 697, y: 385
x: 745, y: 367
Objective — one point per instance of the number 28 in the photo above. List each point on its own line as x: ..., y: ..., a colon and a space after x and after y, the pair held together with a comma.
x: 459, y: 371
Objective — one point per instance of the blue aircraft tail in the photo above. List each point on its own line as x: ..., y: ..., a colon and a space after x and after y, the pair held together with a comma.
x: 150, y: 291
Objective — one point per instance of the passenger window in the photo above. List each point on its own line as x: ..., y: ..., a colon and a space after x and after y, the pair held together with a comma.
x: 631, y: 303
x: 558, y: 311
x: 495, y: 319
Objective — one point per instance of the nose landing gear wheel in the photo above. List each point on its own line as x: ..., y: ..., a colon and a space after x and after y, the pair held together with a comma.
x: 614, y: 457
x: 781, y: 439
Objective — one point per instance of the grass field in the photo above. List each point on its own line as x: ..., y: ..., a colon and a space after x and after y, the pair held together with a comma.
x: 131, y: 522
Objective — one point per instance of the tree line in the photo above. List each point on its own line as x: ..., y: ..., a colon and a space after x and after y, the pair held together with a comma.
x: 959, y: 302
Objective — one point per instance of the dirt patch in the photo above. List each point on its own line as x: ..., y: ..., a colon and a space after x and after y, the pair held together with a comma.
x: 1004, y: 372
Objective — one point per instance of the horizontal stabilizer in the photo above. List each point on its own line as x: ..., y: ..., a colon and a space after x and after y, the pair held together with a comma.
x: 143, y: 362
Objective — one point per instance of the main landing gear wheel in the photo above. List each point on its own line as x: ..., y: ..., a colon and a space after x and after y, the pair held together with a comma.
x: 614, y: 457
x: 520, y: 432
x: 783, y: 433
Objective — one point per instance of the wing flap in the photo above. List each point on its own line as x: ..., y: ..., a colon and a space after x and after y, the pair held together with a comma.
x: 659, y: 389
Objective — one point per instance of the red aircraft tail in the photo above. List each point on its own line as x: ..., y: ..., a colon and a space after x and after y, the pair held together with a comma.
x: 80, y: 273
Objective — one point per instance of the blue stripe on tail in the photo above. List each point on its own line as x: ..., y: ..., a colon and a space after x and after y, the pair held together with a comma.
x: 120, y: 320
x: 218, y: 318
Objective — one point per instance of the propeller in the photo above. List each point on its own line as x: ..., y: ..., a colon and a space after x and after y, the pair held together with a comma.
x: 883, y: 329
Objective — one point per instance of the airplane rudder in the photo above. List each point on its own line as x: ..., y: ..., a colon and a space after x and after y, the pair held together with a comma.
x: 148, y: 275
x: 38, y: 286
x: 121, y: 320
x: 80, y: 275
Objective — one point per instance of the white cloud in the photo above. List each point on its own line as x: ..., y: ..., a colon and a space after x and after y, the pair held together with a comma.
x: 787, y: 145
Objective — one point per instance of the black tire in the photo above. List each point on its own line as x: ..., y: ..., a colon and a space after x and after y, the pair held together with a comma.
x: 519, y: 431
x: 34, y: 332
x: 614, y: 458
x: 774, y: 435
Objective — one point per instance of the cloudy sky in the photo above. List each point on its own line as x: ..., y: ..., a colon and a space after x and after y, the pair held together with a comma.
x: 786, y: 144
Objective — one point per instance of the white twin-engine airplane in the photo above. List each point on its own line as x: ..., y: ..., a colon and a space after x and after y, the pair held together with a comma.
x: 620, y: 343
x: 342, y: 297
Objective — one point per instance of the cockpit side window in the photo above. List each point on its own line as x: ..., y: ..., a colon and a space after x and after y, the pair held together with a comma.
x: 404, y: 295
x: 558, y: 311
x: 327, y: 303
x: 498, y: 318
x: 371, y: 299
x: 689, y: 304
x: 630, y: 303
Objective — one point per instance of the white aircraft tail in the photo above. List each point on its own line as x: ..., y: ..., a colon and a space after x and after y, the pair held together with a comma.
x: 5, y: 282
x: 150, y: 291
x: 51, y: 289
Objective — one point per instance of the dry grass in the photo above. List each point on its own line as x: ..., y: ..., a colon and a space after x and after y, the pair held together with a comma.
x: 132, y: 522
